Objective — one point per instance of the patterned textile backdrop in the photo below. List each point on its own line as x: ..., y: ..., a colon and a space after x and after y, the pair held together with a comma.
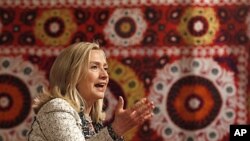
x: 191, y: 57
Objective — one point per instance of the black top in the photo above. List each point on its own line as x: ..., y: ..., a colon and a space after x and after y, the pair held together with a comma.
x: 90, y: 128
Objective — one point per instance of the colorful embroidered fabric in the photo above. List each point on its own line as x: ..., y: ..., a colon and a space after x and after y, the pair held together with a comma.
x: 191, y: 57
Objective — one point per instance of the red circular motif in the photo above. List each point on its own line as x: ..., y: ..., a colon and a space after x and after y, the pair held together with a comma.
x: 192, y: 26
x: 17, y: 101
x: 193, y: 102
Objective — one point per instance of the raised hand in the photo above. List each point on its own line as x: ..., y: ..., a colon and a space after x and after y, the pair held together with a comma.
x: 126, y: 119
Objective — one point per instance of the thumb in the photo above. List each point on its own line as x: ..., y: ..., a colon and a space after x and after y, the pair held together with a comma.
x: 120, y: 104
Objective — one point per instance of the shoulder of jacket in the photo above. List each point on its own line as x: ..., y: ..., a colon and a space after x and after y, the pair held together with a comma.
x: 57, y: 105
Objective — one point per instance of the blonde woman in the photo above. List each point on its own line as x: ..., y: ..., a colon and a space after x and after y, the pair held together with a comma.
x: 72, y: 108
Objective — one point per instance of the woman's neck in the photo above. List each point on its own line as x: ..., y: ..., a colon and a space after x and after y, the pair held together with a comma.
x: 88, y: 108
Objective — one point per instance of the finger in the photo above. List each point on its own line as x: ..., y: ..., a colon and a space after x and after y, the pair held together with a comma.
x: 120, y: 104
x: 152, y: 105
x: 138, y: 120
x: 145, y: 118
x: 139, y: 113
x: 146, y: 108
x: 138, y: 104
x: 144, y: 102
x: 145, y: 114
x: 141, y: 106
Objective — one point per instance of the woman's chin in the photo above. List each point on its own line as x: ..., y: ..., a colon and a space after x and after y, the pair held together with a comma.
x: 100, y: 96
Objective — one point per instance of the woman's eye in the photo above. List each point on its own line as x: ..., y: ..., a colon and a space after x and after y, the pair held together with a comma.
x: 93, y: 67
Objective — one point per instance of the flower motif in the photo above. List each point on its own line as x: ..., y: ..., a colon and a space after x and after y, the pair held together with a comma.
x: 55, y: 27
x: 125, y: 27
x: 190, y: 95
x: 198, y: 26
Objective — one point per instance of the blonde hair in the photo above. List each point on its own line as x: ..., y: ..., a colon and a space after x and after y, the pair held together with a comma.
x: 69, y: 67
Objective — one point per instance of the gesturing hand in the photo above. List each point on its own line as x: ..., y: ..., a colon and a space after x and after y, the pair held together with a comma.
x: 126, y: 119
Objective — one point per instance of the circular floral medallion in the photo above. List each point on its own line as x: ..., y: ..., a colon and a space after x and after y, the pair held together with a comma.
x: 7, y: 16
x: 28, y: 16
x: 198, y: 26
x: 193, y: 103
x: 15, y: 101
x: 174, y: 14
x: 6, y: 37
x: 172, y: 38
x: 20, y: 82
x: 241, y: 13
x: 152, y: 15
x: 81, y: 15
x: 241, y: 37
x: 223, y: 14
x: 27, y: 38
x: 79, y: 37
x: 195, y: 98
x: 55, y: 27
x: 101, y: 16
x: 150, y: 38
x: 125, y: 27
x: 223, y: 37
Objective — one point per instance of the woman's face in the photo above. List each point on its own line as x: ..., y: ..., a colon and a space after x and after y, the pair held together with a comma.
x: 95, y: 83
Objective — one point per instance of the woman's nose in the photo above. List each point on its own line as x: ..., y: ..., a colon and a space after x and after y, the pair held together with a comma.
x: 104, y: 74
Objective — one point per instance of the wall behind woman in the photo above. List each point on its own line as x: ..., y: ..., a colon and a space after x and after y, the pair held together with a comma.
x: 190, y: 57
